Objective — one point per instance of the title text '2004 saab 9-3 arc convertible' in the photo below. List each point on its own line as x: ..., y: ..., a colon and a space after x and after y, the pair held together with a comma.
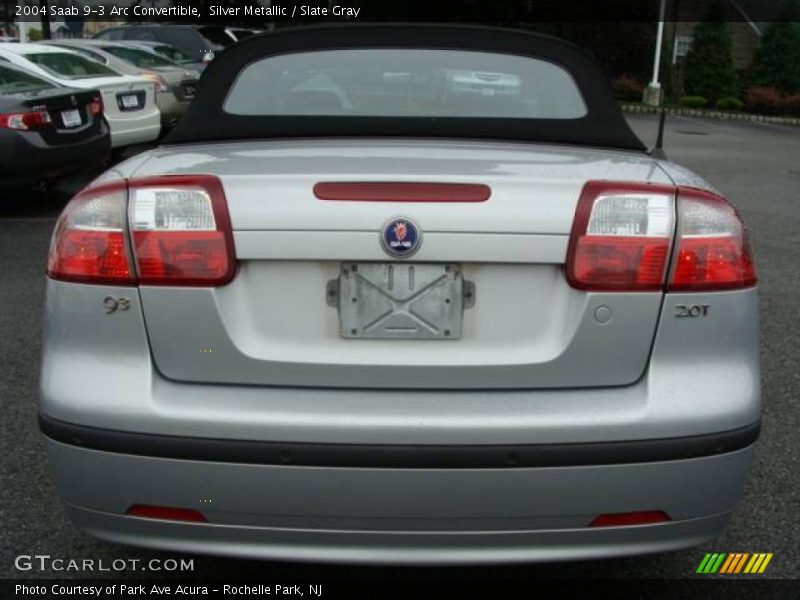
x: 414, y: 294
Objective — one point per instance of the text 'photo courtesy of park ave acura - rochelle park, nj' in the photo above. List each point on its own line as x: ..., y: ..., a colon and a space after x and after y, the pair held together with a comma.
x: 399, y: 299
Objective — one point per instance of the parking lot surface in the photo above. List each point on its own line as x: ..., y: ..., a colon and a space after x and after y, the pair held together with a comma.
x: 755, y: 165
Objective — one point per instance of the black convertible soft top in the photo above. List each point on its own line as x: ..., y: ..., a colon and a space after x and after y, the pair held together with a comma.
x: 603, y: 124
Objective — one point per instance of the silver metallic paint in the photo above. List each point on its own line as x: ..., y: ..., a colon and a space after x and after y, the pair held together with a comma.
x: 450, y: 516
x: 700, y: 376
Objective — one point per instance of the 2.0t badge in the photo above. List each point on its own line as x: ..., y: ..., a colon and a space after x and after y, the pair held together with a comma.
x: 400, y: 237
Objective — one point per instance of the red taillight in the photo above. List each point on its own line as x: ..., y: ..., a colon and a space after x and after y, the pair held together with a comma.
x: 712, y: 248
x: 89, y: 243
x: 180, y: 234
x: 33, y: 119
x: 181, y: 231
x: 160, y: 83
x: 166, y: 513
x: 95, y: 107
x: 621, y: 236
x: 630, y: 518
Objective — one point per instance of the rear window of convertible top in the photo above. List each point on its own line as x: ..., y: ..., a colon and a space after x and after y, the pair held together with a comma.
x: 405, y: 83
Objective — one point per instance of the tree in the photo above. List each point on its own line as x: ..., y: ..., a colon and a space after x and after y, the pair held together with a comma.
x: 777, y: 61
x: 710, y: 72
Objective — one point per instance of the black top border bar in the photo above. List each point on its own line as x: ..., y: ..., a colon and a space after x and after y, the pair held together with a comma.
x: 249, y: 13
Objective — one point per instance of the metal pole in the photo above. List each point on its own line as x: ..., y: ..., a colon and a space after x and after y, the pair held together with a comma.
x: 659, y: 37
x: 22, y: 25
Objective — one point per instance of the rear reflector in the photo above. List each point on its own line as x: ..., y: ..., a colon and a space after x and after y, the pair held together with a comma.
x: 166, y: 513
x: 621, y: 236
x: 402, y: 192
x: 89, y: 243
x: 180, y: 234
x: 630, y: 518
x: 712, y: 247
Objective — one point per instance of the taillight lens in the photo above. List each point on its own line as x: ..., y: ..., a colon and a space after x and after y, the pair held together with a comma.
x: 180, y: 234
x: 712, y: 246
x: 89, y: 242
x: 32, y: 119
x: 95, y: 107
x: 621, y: 236
x: 161, y: 84
x: 181, y: 231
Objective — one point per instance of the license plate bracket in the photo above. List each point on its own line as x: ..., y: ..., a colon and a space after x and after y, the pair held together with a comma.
x: 400, y: 301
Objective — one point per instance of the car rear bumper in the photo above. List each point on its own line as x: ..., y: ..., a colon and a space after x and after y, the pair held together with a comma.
x: 171, y: 107
x: 410, y: 456
x: 445, y: 514
x: 134, y: 128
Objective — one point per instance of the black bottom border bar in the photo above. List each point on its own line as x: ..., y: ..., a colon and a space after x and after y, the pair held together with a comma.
x: 399, y: 587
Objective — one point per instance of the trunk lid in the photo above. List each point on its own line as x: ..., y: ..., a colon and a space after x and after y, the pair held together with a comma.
x: 71, y: 120
x: 114, y: 91
x: 523, y: 327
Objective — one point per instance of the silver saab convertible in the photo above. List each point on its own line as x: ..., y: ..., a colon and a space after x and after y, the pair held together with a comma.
x: 401, y: 294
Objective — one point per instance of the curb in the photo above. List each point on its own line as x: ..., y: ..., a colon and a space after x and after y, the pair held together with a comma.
x: 710, y: 114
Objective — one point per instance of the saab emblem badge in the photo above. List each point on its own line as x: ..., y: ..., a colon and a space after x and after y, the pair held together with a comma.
x: 400, y: 237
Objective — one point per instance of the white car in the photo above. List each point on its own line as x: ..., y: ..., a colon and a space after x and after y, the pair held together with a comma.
x: 129, y: 102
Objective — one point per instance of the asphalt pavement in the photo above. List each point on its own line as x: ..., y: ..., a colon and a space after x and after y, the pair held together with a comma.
x: 757, y: 166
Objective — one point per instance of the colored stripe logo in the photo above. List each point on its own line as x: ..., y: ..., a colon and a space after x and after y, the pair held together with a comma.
x: 734, y: 563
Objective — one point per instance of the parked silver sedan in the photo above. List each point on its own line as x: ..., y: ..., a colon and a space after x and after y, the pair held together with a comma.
x: 346, y: 316
x: 176, y: 85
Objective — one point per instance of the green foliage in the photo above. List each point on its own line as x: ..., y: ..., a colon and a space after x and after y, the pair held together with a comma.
x: 729, y: 103
x: 34, y: 35
x: 709, y: 64
x: 693, y: 102
x: 777, y: 61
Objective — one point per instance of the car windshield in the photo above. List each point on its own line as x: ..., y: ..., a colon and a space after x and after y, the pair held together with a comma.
x: 140, y: 58
x: 173, y: 54
x: 87, y: 53
x: 14, y: 82
x: 408, y: 83
x: 69, y: 65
